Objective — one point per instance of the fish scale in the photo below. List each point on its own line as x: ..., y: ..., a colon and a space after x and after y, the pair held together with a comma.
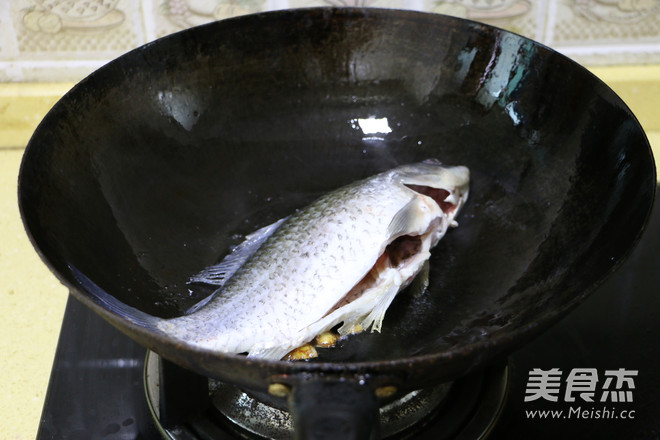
x: 300, y: 268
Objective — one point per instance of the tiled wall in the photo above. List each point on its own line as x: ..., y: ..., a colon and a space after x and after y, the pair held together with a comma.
x: 63, y: 40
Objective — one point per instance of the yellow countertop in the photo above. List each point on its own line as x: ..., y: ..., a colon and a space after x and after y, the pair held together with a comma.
x: 32, y: 300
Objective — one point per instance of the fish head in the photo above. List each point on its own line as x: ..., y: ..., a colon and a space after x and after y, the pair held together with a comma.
x: 448, y: 186
x: 437, y: 193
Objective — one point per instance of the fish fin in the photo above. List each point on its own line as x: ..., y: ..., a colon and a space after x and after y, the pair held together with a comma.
x: 112, y: 304
x: 218, y: 274
x: 402, y: 220
x: 419, y: 283
x: 274, y: 353
x: 198, y: 305
x: 375, y: 318
x: 366, y: 310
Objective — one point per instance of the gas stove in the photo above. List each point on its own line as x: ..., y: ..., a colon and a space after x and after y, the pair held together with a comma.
x: 592, y: 375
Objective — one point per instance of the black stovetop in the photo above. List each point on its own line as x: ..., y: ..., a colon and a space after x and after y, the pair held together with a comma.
x: 96, y: 388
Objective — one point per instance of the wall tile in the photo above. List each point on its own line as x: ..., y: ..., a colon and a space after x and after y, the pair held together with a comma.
x: 8, y: 48
x: 393, y: 4
x: 80, y: 29
x: 61, y: 40
x: 175, y: 15
x: 523, y: 17
x: 64, y: 40
x: 606, y: 31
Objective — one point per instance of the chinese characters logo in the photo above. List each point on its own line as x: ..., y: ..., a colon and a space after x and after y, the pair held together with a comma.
x: 584, y: 384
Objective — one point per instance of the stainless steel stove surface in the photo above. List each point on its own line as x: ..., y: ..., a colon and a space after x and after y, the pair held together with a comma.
x: 593, y: 375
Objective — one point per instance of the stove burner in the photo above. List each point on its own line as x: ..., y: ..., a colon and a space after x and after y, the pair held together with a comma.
x: 464, y: 409
x: 258, y: 417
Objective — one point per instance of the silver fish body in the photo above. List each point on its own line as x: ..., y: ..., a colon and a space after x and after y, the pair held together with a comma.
x: 342, y: 259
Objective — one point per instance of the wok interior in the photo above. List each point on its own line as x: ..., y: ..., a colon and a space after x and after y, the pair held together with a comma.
x: 153, y: 167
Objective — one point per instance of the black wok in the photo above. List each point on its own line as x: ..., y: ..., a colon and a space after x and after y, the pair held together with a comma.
x: 155, y: 165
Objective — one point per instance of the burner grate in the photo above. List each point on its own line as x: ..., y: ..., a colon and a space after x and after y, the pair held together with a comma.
x: 187, y: 406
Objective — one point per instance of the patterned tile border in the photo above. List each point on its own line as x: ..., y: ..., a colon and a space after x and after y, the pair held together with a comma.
x: 64, y: 40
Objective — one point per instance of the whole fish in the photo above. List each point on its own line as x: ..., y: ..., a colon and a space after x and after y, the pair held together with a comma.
x: 342, y: 259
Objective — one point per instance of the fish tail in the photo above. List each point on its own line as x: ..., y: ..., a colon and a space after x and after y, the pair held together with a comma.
x: 112, y: 304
